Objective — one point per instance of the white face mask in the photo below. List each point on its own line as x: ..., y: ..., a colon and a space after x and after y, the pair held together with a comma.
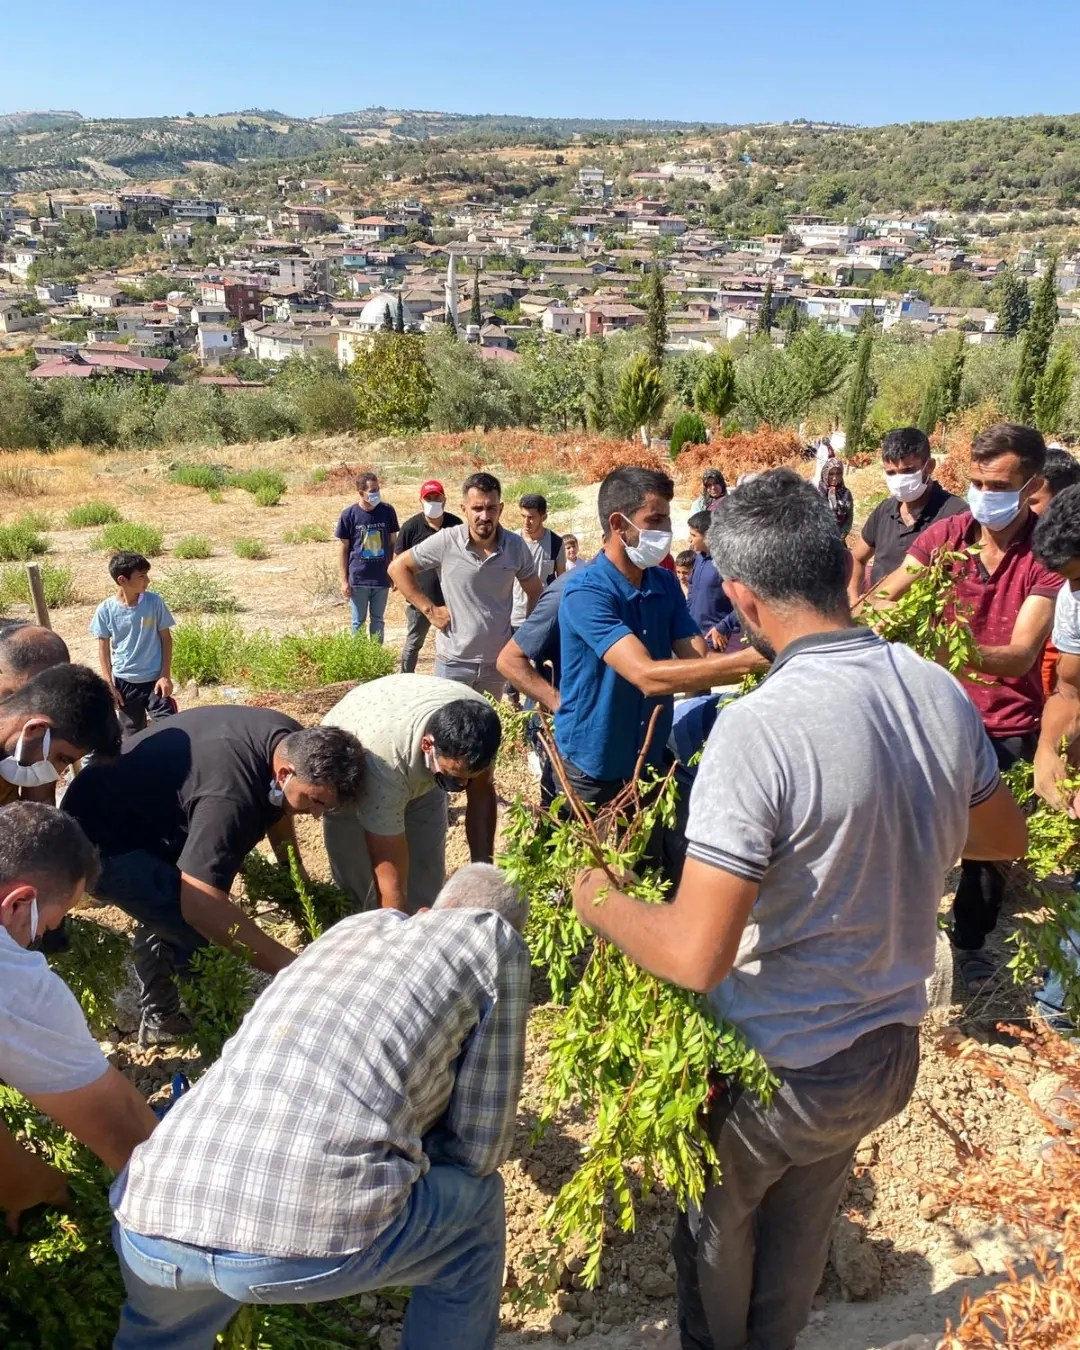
x: 433, y: 510
x: 373, y: 498
x: 29, y: 775
x: 651, y: 549
x: 33, y: 918
x: 995, y: 510
x: 906, y: 487
x: 276, y: 795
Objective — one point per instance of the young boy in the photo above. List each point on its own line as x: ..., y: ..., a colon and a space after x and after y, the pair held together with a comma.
x: 684, y: 567
x: 133, y: 629
x: 570, y: 548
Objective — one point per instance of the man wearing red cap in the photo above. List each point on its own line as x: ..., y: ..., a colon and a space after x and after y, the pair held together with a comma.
x: 432, y: 516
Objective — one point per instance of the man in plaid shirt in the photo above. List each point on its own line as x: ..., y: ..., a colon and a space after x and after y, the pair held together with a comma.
x: 349, y: 1136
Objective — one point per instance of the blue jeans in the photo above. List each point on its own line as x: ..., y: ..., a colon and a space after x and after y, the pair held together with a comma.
x: 447, y: 1244
x: 365, y: 600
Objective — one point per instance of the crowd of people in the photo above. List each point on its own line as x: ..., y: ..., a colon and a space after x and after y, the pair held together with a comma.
x: 349, y: 1137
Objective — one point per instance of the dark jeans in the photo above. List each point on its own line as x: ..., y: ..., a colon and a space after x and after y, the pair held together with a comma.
x: 981, y: 889
x: 140, y: 702
x: 417, y: 626
x: 148, y: 888
x: 749, y: 1263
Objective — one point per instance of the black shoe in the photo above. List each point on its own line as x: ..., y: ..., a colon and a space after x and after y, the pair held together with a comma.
x: 163, y: 1029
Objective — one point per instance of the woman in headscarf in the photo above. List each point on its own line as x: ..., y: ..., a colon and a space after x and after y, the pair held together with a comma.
x: 713, y: 492
x: 841, y: 502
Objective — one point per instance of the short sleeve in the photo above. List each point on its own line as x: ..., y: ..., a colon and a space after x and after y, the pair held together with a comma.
x: 592, y: 615
x: 560, y: 558
x: 536, y: 635
x: 45, y: 1044
x: 429, y: 553
x: 99, y: 624
x: 734, y: 816
x: 164, y: 614
x: 392, y: 523
x: 344, y: 527
x: 1043, y: 581
x: 222, y: 831
x: 1067, y: 621
x: 987, y: 771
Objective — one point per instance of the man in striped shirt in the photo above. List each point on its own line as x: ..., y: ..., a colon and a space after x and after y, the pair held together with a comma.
x: 349, y: 1136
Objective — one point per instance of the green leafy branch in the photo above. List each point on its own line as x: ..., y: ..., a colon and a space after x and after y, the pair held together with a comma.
x: 639, y: 1053
x: 928, y: 618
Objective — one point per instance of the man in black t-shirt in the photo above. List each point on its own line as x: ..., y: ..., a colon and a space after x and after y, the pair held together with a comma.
x: 915, y: 502
x: 177, y: 813
x: 433, y: 516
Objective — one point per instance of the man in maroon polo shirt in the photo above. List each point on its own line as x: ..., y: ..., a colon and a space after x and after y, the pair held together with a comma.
x: 1007, y: 596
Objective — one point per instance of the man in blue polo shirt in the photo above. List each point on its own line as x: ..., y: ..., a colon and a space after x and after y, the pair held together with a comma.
x: 628, y: 642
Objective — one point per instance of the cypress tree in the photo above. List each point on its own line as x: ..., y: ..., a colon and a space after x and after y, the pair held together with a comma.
x: 1038, y: 337
x: 475, y: 317
x: 764, y: 318
x: 716, y: 391
x: 399, y: 324
x: 1013, y: 304
x: 1053, y: 390
x: 656, y: 323
x: 387, y: 319
x: 860, y: 387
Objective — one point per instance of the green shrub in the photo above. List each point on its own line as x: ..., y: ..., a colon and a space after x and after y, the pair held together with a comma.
x: 19, y: 542
x: 92, y: 513
x: 265, y: 485
x: 308, y: 660
x: 186, y: 590
x: 306, y: 534
x: 208, y: 477
x: 193, y: 546
x: 254, y: 550
x: 318, y: 476
x: 553, y: 487
x: 125, y: 536
x: 57, y: 582
x: 688, y: 429
x: 35, y: 521
x: 207, y: 652
x: 94, y: 968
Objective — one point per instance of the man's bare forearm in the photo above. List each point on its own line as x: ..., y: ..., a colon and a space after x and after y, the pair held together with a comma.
x: 677, y: 676
x: 216, y: 918
x: 404, y: 578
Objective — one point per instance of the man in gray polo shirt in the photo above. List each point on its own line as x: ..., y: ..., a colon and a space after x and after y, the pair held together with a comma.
x: 478, y: 563
x: 817, y: 852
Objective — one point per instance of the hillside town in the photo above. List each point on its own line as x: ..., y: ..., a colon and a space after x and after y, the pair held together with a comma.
x: 309, y: 276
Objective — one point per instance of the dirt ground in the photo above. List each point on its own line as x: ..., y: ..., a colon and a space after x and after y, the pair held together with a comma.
x: 921, y: 1261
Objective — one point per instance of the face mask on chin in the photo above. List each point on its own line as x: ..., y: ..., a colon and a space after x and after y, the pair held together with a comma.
x: 651, y: 549
x: 995, y: 510
x: 37, y: 774
x: 446, y: 781
x: 906, y: 487
x: 433, y: 510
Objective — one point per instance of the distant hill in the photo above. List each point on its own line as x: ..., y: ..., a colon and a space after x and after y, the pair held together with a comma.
x: 36, y: 121
x: 1000, y: 164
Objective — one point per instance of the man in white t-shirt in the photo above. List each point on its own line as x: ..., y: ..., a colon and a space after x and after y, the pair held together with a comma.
x: 46, y: 1050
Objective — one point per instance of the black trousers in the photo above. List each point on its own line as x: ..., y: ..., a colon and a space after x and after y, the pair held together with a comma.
x: 417, y: 627
x: 978, y: 898
x: 140, y: 702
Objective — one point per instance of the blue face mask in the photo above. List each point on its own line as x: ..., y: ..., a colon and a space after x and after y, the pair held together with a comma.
x: 995, y: 510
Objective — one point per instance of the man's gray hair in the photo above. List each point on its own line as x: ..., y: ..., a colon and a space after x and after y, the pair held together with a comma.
x: 483, y: 886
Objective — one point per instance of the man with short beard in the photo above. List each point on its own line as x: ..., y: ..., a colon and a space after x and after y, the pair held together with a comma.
x: 478, y: 563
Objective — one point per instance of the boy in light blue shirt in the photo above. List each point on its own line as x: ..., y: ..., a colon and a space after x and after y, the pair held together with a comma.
x: 133, y: 629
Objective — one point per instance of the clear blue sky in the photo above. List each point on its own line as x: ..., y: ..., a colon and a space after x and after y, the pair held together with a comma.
x: 708, y: 60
